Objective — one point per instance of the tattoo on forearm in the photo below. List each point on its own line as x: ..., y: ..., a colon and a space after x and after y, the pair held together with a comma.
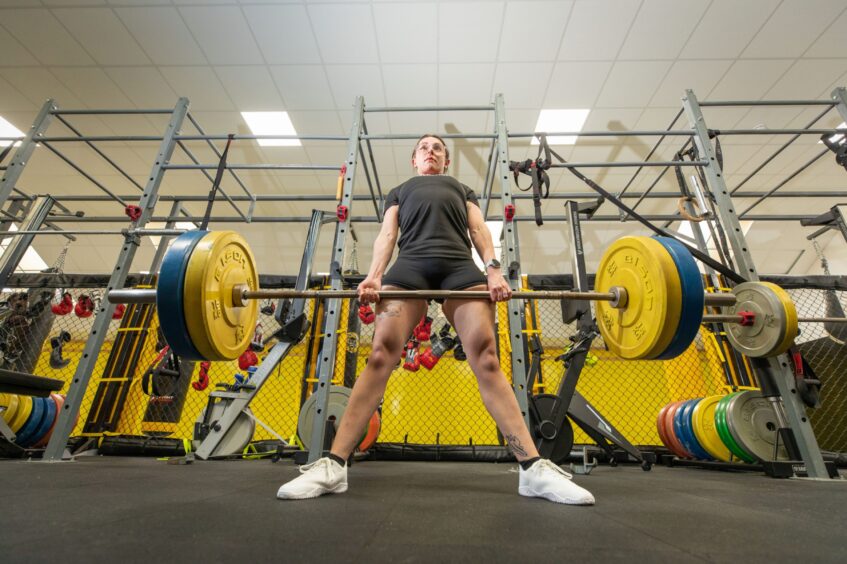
x: 515, y: 445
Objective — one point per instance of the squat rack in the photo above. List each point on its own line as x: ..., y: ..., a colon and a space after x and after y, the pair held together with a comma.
x: 499, y: 165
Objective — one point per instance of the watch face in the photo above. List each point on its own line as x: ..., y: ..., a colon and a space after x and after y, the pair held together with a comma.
x: 493, y: 262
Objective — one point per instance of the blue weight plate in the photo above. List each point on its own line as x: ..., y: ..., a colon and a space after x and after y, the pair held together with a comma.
x: 169, y: 294
x: 692, y: 443
x: 679, y: 431
x: 32, y: 424
x: 693, y: 297
x: 46, y: 421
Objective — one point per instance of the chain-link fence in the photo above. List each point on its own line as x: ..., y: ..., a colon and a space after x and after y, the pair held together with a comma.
x: 437, y: 405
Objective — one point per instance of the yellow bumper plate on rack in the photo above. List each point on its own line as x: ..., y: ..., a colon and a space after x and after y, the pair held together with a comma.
x: 703, y: 424
x: 791, y: 327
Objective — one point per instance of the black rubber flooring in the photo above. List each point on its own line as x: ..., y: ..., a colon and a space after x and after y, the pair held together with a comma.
x: 110, y: 509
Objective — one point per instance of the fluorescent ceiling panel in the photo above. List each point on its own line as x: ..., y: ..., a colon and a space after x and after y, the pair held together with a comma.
x: 271, y: 123
x: 8, y: 130
x: 556, y: 121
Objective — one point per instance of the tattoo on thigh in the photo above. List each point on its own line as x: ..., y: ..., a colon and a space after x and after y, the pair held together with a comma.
x: 390, y: 311
x: 515, y: 445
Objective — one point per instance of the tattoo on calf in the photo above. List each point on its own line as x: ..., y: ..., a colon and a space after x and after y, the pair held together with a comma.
x: 515, y: 445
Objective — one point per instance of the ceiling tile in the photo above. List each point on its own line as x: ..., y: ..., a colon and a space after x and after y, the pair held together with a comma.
x: 522, y: 84
x: 270, y: 24
x: 748, y: 80
x: 727, y: 28
x: 45, y: 37
x: 38, y: 84
x: 831, y: 42
x: 465, y: 84
x: 349, y: 81
x: 412, y: 122
x: 103, y: 35
x: 250, y: 87
x: 200, y: 86
x: 632, y: 83
x: 12, y: 100
x: 223, y: 34
x: 616, y: 119
x: 318, y: 123
x: 345, y: 33
x: 659, y: 119
x: 793, y: 27
x: 661, y: 29
x: 592, y: 35
x: 14, y: 53
x: 406, y: 32
x: 145, y: 86
x: 303, y: 87
x: 700, y: 76
x: 459, y: 42
x: 93, y: 86
x: 576, y: 85
x: 410, y: 85
x: 548, y: 20
x: 163, y: 35
x: 809, y: 79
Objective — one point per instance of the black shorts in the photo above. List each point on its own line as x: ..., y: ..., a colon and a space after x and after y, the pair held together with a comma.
x: 427, y: 273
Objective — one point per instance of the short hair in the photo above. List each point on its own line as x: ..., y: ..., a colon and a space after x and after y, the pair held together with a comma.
x: 424, y: 136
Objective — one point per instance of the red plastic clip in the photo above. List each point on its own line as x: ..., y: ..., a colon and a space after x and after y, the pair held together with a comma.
x: 509, y: 212
x: 747, y: 318
x: 341, y: 213
x: 134, y: 212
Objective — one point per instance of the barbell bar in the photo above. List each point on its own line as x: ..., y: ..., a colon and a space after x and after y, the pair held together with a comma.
x: 242, y: 294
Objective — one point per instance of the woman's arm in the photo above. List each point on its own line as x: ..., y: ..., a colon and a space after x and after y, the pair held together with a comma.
x: 498, y: 287
x: 383, y: 249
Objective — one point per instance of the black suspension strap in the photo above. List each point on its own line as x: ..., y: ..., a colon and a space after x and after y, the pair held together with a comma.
x: 537, y: 171
x: 217, y: 183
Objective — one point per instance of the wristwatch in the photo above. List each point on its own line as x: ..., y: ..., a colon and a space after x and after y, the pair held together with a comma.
x: 493, y: 263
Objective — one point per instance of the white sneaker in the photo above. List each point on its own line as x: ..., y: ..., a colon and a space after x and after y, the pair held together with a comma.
x: 320, y: 477
x: 545, y: 479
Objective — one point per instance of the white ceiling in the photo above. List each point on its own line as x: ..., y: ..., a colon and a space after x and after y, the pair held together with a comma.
x: 629, y: 61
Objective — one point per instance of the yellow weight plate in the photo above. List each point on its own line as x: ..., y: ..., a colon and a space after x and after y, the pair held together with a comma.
x: 10, y: 402
x: 791, y: 317
x: 24, y: 411
x: 220, y: 261
x: 646, y: 326
x: 703, y: 423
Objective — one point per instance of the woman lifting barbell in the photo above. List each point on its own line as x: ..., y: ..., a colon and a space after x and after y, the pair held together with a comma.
x: 434, y: 214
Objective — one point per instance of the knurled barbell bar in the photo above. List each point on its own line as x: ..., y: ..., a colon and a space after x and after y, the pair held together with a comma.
x: 649, y: 298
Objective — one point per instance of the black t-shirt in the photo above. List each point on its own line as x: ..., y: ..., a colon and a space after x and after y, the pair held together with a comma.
x: 433, y: 216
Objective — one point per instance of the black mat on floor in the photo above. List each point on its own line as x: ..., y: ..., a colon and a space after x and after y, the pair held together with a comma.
x: 110, y: 509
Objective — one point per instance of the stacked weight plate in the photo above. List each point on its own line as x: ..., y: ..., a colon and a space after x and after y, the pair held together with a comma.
x: 31, y: 419
x: 736, y: 427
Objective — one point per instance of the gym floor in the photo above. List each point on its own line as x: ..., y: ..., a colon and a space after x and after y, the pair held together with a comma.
x: 107, y: 509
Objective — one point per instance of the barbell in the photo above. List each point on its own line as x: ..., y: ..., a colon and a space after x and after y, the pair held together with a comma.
x: 649, y: 296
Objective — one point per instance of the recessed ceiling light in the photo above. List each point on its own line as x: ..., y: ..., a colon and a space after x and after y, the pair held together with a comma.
x: 558, y: 121
x: 837, y: 137
x: 8, y: 130
x: 271, y: 123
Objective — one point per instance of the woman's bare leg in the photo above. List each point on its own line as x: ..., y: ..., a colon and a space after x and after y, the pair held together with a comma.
x: 395, y: 320
x: 474, y: 323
